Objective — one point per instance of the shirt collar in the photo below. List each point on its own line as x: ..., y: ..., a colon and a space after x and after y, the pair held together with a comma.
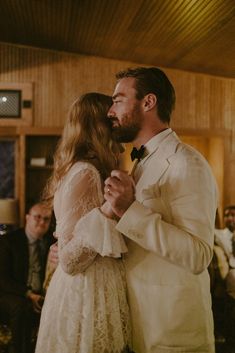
x: 156, y: 140
x: 31, y: 240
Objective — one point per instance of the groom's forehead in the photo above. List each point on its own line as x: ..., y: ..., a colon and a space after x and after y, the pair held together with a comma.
x: 125, y: 86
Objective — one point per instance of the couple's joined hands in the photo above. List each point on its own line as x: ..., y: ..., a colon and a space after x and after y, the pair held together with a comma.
x: 119, y: 193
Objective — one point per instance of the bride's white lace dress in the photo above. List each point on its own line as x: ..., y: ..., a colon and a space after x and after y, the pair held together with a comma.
x: 85, y: 309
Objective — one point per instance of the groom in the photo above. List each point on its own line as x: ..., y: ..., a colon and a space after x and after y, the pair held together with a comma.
x: 167, y: 219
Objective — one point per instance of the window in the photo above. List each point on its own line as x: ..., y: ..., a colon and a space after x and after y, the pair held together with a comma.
x: 7, y: 169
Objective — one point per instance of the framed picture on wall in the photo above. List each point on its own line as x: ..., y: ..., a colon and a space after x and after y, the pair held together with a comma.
x: 16, y: 104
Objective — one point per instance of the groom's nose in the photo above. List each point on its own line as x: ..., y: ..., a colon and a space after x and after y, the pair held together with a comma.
x: 111, y: 113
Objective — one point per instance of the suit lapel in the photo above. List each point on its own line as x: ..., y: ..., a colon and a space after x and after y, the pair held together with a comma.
x: 157, y: 162
x: 21, y: 251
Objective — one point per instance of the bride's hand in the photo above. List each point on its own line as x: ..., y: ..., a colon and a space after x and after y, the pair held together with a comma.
x: 106, y: 209
x: 53, y: 257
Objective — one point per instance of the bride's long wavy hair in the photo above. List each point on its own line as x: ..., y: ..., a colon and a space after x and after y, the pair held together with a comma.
x: 86, y: 137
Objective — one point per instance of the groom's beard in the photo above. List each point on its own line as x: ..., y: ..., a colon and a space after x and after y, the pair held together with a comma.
x: 129, y: 127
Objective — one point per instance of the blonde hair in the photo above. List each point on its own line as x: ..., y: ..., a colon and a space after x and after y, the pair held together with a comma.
x: 86, y: 137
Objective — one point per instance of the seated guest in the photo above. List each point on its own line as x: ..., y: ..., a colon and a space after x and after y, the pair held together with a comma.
x: 218, y: 270
x: 23, y: 257
x: 225, y: 238
x: 219, y: 266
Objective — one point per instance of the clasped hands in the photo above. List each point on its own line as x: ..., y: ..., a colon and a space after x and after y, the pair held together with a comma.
x: 119, y: 193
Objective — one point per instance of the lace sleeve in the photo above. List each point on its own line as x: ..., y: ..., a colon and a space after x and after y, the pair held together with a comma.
x: 99, y: 233
x: 81, y: 193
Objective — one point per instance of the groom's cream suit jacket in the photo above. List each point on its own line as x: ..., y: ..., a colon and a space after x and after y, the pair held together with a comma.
x: 169, y: 231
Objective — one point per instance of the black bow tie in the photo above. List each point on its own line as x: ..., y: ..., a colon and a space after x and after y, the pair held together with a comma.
x: 137, y: 153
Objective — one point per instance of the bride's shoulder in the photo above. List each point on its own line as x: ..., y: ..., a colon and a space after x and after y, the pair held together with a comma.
x: 83, y: 166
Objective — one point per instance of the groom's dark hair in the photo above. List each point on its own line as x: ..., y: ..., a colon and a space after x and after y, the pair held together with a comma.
x: 153, y: 80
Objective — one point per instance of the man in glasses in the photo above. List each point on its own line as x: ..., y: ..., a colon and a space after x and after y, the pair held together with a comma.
x: 23, y: 257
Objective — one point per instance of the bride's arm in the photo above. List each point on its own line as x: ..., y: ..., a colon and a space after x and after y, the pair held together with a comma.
x: 82, y: 194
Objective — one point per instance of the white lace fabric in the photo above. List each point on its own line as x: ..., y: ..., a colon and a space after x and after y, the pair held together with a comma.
x: 94, y: 231
x: 85, y: 309
x: 79, y: 193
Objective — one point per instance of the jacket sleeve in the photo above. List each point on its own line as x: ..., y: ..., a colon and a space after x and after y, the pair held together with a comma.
x: 175, y: 218
x: 8, y: 281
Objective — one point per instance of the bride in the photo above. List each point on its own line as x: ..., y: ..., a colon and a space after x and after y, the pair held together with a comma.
x: 85, y: 309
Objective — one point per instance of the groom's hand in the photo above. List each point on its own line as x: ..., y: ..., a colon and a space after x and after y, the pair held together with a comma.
x: 119, y: 191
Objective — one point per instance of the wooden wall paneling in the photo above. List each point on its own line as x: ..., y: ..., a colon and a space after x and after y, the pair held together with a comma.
x: 216, y: 161
x: 202, y: 97
x: 39, y: 131
x: 192, y: 109
x: 204, y: 103
x: 229, y: 111
x: 8, y: 131
x: 229, y: 185
x: 229, y: 181
x: 216, y: 102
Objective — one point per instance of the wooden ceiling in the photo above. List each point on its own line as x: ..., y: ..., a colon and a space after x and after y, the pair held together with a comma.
x: 192, y: 35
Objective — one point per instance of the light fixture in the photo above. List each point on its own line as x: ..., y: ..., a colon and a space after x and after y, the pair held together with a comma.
x: 8, y: 214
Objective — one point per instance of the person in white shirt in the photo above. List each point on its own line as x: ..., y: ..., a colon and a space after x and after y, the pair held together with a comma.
x: 225, y: 239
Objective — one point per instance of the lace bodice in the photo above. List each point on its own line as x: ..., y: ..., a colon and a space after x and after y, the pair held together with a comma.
x: 85, y: 309
x: 79, y: 192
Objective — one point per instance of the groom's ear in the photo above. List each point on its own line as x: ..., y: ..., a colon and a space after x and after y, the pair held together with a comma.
x: 150, y: 101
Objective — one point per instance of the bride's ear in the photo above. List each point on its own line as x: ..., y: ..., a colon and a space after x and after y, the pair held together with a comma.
x: 150, y: 101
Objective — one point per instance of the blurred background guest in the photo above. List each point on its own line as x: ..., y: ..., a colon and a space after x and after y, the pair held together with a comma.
x: 23, y: 258
x: 225, y: 252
